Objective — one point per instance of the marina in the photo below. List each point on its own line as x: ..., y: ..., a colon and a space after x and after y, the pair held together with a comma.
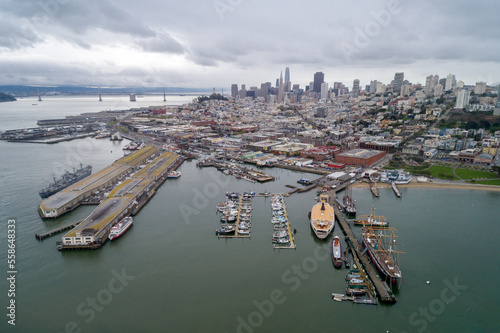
x: 237, y: 170
x: 236, y: 216
x: 281, y: 224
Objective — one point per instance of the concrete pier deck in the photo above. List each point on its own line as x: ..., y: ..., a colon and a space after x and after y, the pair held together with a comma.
x: 126, y: 199
x: 71, y: 197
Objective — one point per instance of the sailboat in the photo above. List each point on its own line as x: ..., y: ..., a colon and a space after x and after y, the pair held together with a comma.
x: 377, y: 221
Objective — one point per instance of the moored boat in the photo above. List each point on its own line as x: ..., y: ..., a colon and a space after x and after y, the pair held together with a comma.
x: 322, y: 217
x: 226, y: 230
x: 336, y: 252
x: 382, y: 254
x: 174, y: 174
x: 120, y: 228
x: 376, y: 221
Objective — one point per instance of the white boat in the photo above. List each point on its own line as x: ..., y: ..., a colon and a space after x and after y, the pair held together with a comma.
x: 322, y: 217
x: 120, y: 228
x: 174, y: 174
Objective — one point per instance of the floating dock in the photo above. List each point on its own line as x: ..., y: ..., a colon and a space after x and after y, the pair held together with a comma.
x: 289, y: 230
x: 375, y: 285
x: 238, y: 219
x: 238, y: 171
x: 124, y: 200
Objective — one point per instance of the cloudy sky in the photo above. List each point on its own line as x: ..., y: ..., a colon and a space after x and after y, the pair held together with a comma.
x: 213, y: 43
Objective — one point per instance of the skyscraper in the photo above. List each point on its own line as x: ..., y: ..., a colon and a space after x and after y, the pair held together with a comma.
x: 287, y: 74
x: 280, y: 89
x: 355, y: 88
x: 373, y: 86
x: 428, y: 83
x: 234, y: 90
x: 462, y: 99
x: 324, y: 90
x: 398, y: 81
x: 450, y: 82
x: 319, y: 78
x: 264, y: 91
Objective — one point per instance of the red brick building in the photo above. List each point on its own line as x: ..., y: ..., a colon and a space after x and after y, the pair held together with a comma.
x: 361, y: 157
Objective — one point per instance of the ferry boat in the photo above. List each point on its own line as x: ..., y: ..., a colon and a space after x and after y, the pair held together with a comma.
x: 174, y: 174
x: 120, y: 228
x: 381, y: 251
x: 336, y: 252
x: 322, y: 217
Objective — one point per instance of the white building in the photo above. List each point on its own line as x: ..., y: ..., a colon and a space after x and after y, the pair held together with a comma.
x: 462, y: 99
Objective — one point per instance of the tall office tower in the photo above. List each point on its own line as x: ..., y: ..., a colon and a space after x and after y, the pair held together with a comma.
x: 234, y: 90
x: 324, y: 90
x: 450, y: 82
x: 264, y: 91
x: 296, y: 87
x: 462, y: 99
x: 287, y: 86
x: 287, y: 74
x: 243, y: 91
x: 435, y: 81
x: 480, y: 88
x: 442, y: 82
x: 373, y: 86
x: 319, y: 78
x: 428, y: 83
x: 280, y: 90
x: 367, y: 88
x: 355, y: 88
x: 438, y: 89
x: 277, y: 83
x: 398, y: 81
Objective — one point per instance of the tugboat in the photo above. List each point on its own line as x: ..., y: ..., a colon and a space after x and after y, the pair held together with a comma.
x: 336, y: 252
x: 120, y: 228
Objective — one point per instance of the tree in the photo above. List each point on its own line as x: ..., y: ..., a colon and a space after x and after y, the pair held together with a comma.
x: 471, y: 125
x: 496, y: 169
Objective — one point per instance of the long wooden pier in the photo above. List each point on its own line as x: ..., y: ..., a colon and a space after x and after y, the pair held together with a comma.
x: 56, y: 231
x: 375, y: 285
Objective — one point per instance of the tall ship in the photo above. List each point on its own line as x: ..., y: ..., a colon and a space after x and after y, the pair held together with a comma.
x: 322, y: 217
x: 373, y: 220
x: 380, y: 248
x: 120, y: 228
x: 348, y: 201
x: 69, y: 178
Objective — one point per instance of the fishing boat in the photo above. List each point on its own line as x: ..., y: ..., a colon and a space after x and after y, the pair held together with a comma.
x: 336, y: 252
x: 243, y: 232
x: 280, y: 234
x: 120, y: 228
x: 381, y: 251
x: 322, y: 217
x: 377, y: 221
x: 226, y: 230
x: 281, y: 240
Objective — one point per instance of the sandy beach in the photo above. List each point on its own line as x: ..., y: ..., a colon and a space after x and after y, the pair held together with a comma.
x: 454, y: 185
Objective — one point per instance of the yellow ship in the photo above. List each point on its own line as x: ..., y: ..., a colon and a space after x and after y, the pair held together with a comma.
x: 322, y: 217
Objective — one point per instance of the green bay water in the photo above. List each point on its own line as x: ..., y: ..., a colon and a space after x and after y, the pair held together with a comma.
x: 175, y: 275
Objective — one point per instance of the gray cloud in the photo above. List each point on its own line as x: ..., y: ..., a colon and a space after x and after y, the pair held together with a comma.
x: 253, y: 35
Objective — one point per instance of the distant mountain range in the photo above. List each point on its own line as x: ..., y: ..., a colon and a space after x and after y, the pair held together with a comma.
x: 21, y: 91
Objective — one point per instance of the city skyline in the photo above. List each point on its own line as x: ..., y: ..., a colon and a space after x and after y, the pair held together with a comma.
x: 214, y: 44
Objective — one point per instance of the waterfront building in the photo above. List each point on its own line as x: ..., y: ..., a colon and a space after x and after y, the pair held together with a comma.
x: 361, y: 157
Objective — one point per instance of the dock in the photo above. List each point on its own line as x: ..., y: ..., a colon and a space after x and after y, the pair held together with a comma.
x: 374, y: 190
x: 237, y: 170
x: 238, y: 219
x: 56, y: 231
x: 289, y: 230
x: 124, y: 200
x: 374, y: 284
x: 395, y: 189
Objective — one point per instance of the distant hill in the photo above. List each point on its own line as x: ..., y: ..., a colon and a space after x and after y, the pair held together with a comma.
x: 7, y: 98
x: 22, y: 91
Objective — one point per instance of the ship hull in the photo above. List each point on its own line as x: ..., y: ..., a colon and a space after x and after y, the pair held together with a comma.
x: 64, y: 183
x: 391, y: 280
x: 122, y: 231
x: 337, y: 253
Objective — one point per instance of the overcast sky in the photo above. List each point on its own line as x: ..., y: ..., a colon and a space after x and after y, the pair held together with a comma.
x: 213, y: 43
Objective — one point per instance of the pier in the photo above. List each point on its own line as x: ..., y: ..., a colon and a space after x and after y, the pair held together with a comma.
x: 56, y: 231
x: 289, y: 230
x: 106, y: 179
x: 395, y: 189
x: 238, y: 219
x: 124, y: 200
x: 375, y: 285
x: 374, y: 189
x: 238, y: 171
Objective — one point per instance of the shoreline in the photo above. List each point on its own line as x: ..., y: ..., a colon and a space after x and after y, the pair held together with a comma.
x: 414, y: 184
